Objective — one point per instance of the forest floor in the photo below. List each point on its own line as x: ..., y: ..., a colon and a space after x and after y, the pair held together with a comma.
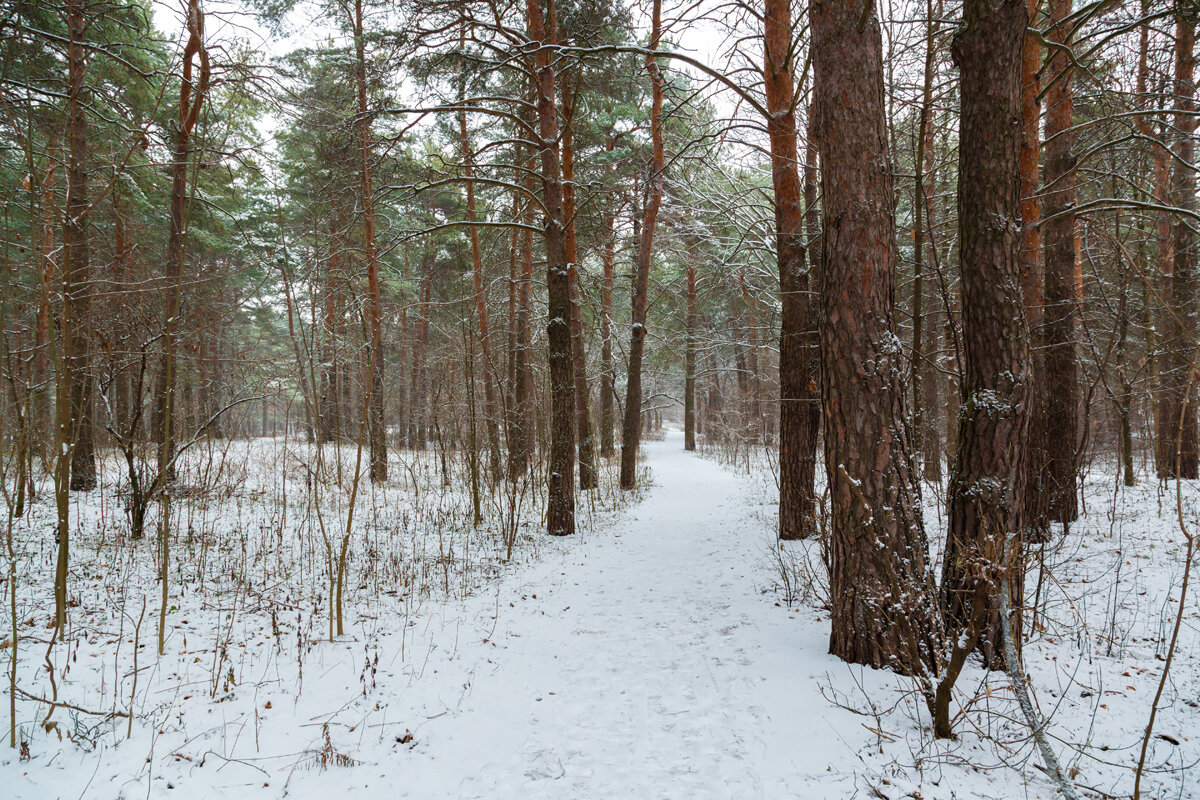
x: 667, y: 653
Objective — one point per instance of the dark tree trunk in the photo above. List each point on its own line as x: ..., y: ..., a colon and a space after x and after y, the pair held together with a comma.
x: 1179, y: 368
x: 1061, y: 431
x: 560, y: 508
x: 631, y: 428
x: 490, y: 413
x: 521, y: 432
x: 926, y: 443
x: 191, y: 98
x: 877, y: 558
x: 1161, y: 234
x: 376, y: 436
x: 330, y: 416
x: 607, y: 390
x: 689, y: 362
x: 799, y: 352
x: 583, y: 419
x: 417, y: 390
x: 986, y: 481
x: 77, y: 288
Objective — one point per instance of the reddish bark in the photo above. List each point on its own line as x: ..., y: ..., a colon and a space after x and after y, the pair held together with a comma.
x: 1179, y: 368
x: 799, y: 353
x: 1032, y: 272
x: 986, y: 483
x: 1060, y: 433
x: 877, y: 554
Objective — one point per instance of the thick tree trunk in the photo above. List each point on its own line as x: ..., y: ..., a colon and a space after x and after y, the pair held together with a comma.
x: 377, y: 436
x: 799, y: 352
x: 1061, y: 431
x: 986, y: 482
x: 1179, y: 368
x: 560, y: 506
x: 77, y: 287
x: 877, y: 558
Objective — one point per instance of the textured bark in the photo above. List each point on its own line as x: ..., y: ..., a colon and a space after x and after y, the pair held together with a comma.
x: 376, y: 435
x: 1032, y: 274
x: 583, y: 419
x: 1060, y: 433
x: 631, y: 430
x: 799, y: 352
x: 1179, y: 367
x: 77, y: 288
x: 986, y: 481
x: 877, y: 558
x: 560, y: 506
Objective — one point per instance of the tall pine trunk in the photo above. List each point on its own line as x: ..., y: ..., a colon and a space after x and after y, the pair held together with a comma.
x: 191, y: 98
x: 583, y: 420
x: 1032, y: 274
x: 799, y: 353
x: 877, y: 558
x: 1061, y: 431
x: 77, y: 287
x: 1161, y: 236
x: 560, y: 507
x: 1179, y: 368
x: 986, y: 482
x: 631, y: 430
x: 490, y: 412
x: 376, y: 436
x: 689, y: 359
x: 926, y: 440
x: 607, y: 390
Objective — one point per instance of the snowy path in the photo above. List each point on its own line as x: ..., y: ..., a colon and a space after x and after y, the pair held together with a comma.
x: 657, y: 668
x: 646, y: 659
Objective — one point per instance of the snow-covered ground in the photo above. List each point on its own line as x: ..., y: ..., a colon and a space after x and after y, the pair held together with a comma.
x: 652, y: 656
